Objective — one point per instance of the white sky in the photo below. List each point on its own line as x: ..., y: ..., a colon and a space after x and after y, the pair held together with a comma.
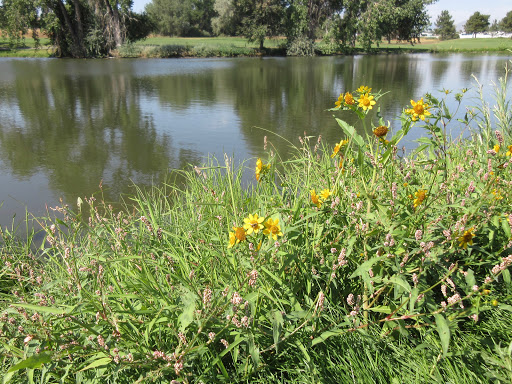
x: 459, y: 9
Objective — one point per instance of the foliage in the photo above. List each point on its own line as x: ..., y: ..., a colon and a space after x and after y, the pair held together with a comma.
x: 260, y: 19
x: 347, y: 263
x: 445, y: 27
x: 506, y: 22
x: 181, y: 17
x: 76, y: 28
x: 477, y: 23
x: 300, y: 46
x: 226, y: 20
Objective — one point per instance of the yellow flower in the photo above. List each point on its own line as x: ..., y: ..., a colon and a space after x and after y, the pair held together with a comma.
x: 380, y: 131
x: 315, y: 198
x: 466, y: 238
x: 349, y: 99
x: 418, y: 110
x: 420, y: 196
x: 260, y: 168
x: 237, y: 236
x: 509, y: 152
x: 366, y: 102
x: 496, y: 148
x: 325, y: 194
x: 339, y: 101
x: 363, y: 89
x: 272, y: 228
x: 232, y: 239
x: 253, y: 223
x: 497, y: 194
x: 338, y: 146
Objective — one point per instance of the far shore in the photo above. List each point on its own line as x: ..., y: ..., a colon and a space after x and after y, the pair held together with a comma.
x: 166, y: 47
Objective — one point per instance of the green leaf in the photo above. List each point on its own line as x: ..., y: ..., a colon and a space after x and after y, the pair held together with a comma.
x: 39, y: 308
x: 381, y: 309
x: 397, y: 280
x: 189, y: 306
x: 350, y: 131
x: 277, y: 326
x: 506, y: 276
x: 325, y: 335
x: 98, y: 363
x: 444, y: 332
x: 470, y: 278
x: 365, y: 267
x: 33, y: 362
x: 254, y: 351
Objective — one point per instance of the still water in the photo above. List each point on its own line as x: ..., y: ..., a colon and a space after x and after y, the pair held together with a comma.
x: 67, y: 125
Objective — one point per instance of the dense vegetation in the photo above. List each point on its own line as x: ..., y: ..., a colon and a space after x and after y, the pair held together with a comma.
x: 351, y: 262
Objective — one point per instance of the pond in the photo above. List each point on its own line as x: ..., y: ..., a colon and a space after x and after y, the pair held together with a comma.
x: 68, y: 125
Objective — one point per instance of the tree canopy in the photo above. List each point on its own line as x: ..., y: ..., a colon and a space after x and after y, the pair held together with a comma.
x: 506, y: 22
x: 445, y: 27
x: 477, y: 23
x: 78, y: 28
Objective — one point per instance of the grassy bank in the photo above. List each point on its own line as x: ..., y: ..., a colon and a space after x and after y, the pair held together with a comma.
x: 351, y: 262
x: 163, y: 47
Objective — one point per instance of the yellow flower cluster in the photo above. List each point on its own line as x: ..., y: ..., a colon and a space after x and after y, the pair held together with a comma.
x: 365, y: 101
x: 419, y: 110
x: 252, y: 226
x: 318, y: 200
x: 418, y: 197
x: 261, y: 169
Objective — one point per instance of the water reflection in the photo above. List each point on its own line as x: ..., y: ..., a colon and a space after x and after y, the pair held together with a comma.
x: 66, y: 125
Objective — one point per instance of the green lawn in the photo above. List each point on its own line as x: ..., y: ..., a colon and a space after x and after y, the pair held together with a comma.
x: 161, y: 46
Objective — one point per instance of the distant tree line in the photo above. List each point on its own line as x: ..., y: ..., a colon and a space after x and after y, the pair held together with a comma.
x: 476, y: 23
x: 302, y: 21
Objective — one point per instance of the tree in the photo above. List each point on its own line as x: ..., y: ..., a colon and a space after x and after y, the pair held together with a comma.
x: 226, y: 21
x: 477, y: 23
x: 445, y: 27
x: 506, y: 22
x: 260, y: 19
x: 181, y: 17
x: 78, y: 28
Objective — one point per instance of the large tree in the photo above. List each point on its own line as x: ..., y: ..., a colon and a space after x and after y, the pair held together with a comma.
x: 445, y: 27
x: 477, y: 23
x: 181, y: 17
x: 78, y: 28
x: 260, y: 19
x: 506, y: 22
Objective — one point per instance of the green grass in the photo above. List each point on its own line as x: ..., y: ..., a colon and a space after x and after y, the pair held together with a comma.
x: 160, y: 46
x: 350, y: 262
x: 456, y: 45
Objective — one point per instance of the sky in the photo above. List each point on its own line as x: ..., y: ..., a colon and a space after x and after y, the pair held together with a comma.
x: 459, y: 9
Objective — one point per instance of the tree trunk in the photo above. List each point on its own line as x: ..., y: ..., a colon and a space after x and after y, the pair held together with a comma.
x: 114, y: 23
x: 77, y: 49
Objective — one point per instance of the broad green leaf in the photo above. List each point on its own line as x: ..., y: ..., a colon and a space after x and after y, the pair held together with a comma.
x: 506, y: 276
x: 365, y: 267
x: 39, y: 308
x: 189, y: 306
x: 381, y: 309
x: 254, y: 351
x: 350, y: 131
x: 401, y: 282
x: 325, y: 335
x: 34, y: 361
x: 470, y: 278
x: 277, y: 326
x: 444, y: 332
x: 97, y: 363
